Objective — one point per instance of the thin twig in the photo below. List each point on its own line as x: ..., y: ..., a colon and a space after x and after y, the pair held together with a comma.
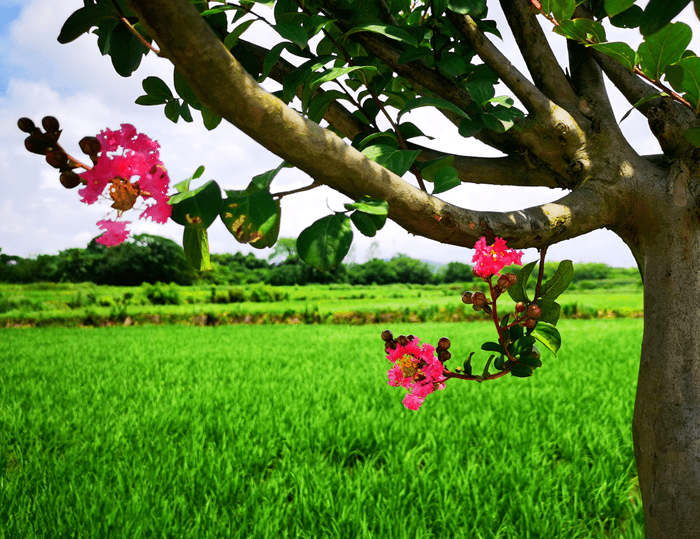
x: 301, y: 189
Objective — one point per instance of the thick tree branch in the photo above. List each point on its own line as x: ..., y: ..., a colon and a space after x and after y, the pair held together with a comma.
x: 516, y: 170
x: 222, y: 84
x: 533, y: 99
x: 541, y: 62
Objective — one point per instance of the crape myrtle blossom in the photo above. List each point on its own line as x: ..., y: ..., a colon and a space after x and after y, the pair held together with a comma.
x: 417, y: 369
x: 490, y: 259
x: 136, y: 171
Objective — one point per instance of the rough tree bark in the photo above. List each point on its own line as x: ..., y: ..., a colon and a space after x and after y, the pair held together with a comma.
x: 570, y: 139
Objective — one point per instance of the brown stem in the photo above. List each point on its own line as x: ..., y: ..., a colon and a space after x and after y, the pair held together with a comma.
x: 300, y: 190
x: 540, y: 274
x: 138, y: 35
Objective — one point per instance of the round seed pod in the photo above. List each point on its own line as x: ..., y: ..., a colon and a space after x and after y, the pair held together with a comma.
x: 534, y: 311
x: 402, y: 340
x: 26, y: 125
x: 467, y: 298
x: 70, y: 179
x: 387, y: 335
x: 50, y: 124
x: 520, y: 307
x: 443, y: 343
x: 90, y: 145
x: 444, y: 355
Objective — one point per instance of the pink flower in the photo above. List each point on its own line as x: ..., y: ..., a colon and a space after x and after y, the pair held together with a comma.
x: 115, y: 233
x: 417, y: 369
x: 490, y: 259
x: 135, y: 172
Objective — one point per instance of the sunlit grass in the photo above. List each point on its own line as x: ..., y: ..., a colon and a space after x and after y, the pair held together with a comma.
x: 293, y: 432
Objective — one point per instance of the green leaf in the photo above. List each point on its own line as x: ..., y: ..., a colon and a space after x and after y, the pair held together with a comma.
x: 397, y: 161
x: 559, y: 282
x: 211, y: 120
x: 493, y: 347
x: 156, y: 87
x: 172, y: 111
x: 320, y: 102
x: 231, y: 39
x: 663, y: 48
x: 501, y: 120
x: 184, y: 185
x: 446, y: 179
x: 560, y: 9
x: 371, y: 206
x: 412, y: 54
x: 467, y: 7
x: 185, y: 112
x: 684, y: 76
x: 390, y: 139
x: 250, y: 217
x: 263, y: 181
x: 621, y: 52
x: 480, y: 91
x: 582, y: 30
x: 326, y: 242
x: 184, y: 91
x: 331, y: 74
x: 392, y: 32
x: 198, y: 208
x: 531, y: 361
x: 521, y: 370
x: 521, y: 345
x: 82, y: 20
x: 125, y: 50
x: 551, y: 311
x: 614, y: 7
x: 148, y: 100
x: 692, y: 135
x: 409, y: 130
x: 452, y: 64
x: 429, y: 169
x: 548, y: 335
x: 289, y: 28
x: 366, y: 223
x: 469, y: 128
x: 630, y: 18
x: 517, y: 290
x: 196, y: 244
x: 431, y: 102
x: 659, y: 13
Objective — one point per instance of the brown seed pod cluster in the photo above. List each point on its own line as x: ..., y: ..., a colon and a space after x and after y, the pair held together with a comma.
x: 46, y: 143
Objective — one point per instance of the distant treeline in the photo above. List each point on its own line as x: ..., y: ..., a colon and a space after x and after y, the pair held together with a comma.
x: 151, y: 259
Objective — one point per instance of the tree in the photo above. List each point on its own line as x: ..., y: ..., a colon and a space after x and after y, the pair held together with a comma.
x: 391, y: 56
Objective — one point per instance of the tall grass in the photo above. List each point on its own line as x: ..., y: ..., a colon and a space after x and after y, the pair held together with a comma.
x: 293, y: 432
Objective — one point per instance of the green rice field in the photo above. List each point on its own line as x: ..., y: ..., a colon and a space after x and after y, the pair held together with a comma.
x: 292, y: 431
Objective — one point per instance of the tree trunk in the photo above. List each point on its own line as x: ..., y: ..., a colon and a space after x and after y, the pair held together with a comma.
x: 666, y: 426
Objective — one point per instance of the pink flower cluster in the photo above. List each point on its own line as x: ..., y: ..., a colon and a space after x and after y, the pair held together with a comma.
x: 417, y: 369
x: 490, y: 259
x: 136, y: 171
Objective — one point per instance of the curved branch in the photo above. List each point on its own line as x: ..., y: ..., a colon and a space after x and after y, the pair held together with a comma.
x: 221, y: 83
x: 533, y: 99
x: 541, y: 62
x: 514, y: 170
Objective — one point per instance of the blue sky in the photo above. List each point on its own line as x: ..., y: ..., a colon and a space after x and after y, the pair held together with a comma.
x: 76, y: 84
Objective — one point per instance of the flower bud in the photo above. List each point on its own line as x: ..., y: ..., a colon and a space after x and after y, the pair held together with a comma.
x: 90, y: 145
x: 443, y: 343
x: 70, y: 179
x: 50, y: 124
x: 56, y: 158
x: 36, y: 145
x: 386, y: 334
x: 410, y: 338
x: 528, y: 323
x: 26, y: 125
x: 467, y: 298
x: 534, y: 311
x: 479, y: 300
x: 520, y: 307
x: 444, y: 355
x: 506, y: 281
x: 402, y: 340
